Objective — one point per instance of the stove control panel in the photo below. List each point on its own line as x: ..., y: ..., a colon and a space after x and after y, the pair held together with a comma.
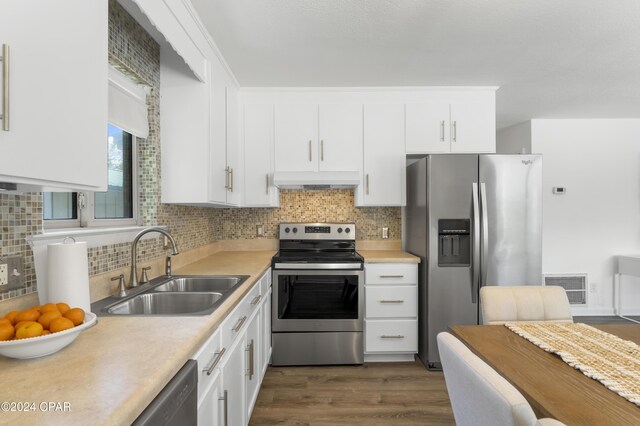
x: 317, y: 231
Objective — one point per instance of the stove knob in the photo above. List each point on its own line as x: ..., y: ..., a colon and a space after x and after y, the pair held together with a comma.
x: 287, y: 230
x: 347, y: 230
x: 339, y: 230
x: 295, y: 230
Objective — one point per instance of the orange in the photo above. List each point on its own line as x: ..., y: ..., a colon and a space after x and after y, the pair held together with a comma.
x: 21, y: 323
x: 36, y: 308
x: 31, y: 329
x: 49, y: 307
x: 6, y: 331
x: 11, y: 316
x: 76, y: 315
x: 46, y: 318
x: 45, y: 332
x: 27, y: 315
x: 5, y: 321
x: 62, y: 307
x: 60, y: 324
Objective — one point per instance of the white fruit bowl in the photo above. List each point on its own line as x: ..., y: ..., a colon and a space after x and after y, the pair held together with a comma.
x: 34, y: 347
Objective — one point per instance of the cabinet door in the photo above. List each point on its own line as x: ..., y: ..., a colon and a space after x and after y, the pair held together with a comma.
x: 340, y: 130
x: 473, y: 127
x: 252, y: 348
x: 57, y: 93
x: 233, y: 142
x: 233, y: 385
x: 210, y: 408
x: 266, y: 332
x: 218, y: 176
x: 427, y: 128
x: 258, y: 156
x: 296, y: 138
x: 384, y: 156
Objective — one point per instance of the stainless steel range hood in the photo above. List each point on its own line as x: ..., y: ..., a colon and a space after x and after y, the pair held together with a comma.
x: 316, y: 180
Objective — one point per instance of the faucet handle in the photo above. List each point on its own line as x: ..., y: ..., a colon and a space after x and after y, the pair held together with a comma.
x: 122, y: 289
x: 167, y: 266
x: 144, y: 278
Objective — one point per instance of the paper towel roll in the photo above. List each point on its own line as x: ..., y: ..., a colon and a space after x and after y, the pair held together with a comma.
x: 68, y: 275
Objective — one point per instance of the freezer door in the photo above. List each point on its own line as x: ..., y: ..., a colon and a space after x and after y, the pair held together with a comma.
x: 511, y: 204
x: 450, y: 293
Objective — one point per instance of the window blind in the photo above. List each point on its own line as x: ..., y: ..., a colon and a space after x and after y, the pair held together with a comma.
x: 128, y: 104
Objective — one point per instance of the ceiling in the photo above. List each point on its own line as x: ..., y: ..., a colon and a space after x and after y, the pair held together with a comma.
x: 551, y: 58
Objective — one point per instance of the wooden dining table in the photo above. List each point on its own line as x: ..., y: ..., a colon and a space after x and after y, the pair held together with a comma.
x: 552, y: 387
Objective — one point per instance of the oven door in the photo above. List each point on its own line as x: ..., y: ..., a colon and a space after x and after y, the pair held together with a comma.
x: 317, y: 300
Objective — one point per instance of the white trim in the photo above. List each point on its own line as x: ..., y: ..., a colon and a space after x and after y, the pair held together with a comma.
x: 582, y: 311
x: 373, y: 89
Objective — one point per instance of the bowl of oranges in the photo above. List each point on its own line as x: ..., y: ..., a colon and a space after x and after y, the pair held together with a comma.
x: 41, y: 330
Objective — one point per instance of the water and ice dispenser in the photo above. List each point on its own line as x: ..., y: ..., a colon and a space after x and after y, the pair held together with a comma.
x: 454, y: 242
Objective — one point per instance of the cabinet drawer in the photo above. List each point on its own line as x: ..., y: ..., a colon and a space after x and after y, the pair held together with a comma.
x: 399, y: 301
x: 391, y: 273
x: 207, y: 356
x: 239, y: 317
x: 391, y: 336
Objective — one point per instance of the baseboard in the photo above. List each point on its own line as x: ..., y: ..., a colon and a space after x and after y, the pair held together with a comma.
x: 596, y: 312
x: 389, y: 357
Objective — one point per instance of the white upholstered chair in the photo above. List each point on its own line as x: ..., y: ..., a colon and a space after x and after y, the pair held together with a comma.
x: 479, y: 395
x: 502, y: 304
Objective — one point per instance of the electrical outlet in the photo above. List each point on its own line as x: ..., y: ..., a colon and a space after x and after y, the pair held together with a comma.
x: 4, y: 274
x: 385, y: 233
x: 260, y: 230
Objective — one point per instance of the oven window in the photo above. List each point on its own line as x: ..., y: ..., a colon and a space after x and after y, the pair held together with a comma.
x: 318, y: 297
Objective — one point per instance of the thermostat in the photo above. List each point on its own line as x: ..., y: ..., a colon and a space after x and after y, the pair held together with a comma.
x: 559, y: 190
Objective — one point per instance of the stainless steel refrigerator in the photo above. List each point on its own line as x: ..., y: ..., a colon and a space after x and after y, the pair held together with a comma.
x: 474, y: 220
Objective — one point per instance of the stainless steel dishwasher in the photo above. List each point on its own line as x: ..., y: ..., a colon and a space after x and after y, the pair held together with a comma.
x: 177, y: 403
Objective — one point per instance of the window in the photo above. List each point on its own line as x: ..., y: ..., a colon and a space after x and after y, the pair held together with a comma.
x: 128, y: 118
x: 115, y: 207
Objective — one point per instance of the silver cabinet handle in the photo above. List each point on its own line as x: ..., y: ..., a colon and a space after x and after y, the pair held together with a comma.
x: 239, y: 324
x: 455, y: 131
x: 226, y: 407
x: 392, y: 337
x: 367, y: 184
x: 267, y: 184
x: 226, y: 178
x: 216, y: 360
x: 322, y: 150
x: 230, y: 179
x: 310, y: 155
x: 256, y: 299
x: 5, y: 87
x: 251, y: 357
x: 442, y: 130
x: 392, y: 301
x: 391, y: 276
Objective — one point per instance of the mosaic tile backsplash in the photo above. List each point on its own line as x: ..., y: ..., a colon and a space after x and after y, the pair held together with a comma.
x: 135, y: 53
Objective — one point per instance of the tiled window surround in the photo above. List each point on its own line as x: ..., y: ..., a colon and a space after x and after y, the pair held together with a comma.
x: 132, y: 50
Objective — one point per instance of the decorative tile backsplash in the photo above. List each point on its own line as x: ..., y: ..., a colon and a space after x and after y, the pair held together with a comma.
x: 135, y: 53
x: 335, y: 205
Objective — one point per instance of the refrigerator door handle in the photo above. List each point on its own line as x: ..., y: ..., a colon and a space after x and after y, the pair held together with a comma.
x: 475, y: 265
x: 484, y: 235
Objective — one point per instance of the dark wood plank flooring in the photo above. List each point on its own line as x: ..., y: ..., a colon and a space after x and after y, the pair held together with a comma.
x: 604, y: 319
x: 373, y: 394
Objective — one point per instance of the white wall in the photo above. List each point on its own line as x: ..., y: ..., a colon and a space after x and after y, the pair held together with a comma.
x: 514, y: 139
x: 598, y: 161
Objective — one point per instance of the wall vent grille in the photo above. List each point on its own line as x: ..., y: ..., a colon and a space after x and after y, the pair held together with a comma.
x: 574, y: 284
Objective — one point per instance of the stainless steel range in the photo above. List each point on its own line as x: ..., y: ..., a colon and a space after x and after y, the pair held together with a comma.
x: 318, y: 295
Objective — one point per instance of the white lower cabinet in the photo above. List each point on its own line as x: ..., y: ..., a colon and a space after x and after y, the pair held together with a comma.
x: 391, y: 311
x: 233, y: 360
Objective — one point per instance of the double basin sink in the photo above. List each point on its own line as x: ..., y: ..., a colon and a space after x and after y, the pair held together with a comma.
x: 175, y: 295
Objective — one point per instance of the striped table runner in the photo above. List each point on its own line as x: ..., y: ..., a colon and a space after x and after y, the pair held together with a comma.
x: 612, y: 361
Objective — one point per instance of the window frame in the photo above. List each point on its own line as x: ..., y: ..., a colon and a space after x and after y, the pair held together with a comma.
x: 86, y: 216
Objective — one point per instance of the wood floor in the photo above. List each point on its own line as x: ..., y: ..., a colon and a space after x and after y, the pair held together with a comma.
x: 372, y: 394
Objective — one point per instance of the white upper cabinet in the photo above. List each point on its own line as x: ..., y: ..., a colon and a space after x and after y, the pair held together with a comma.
x: 54, y: 131
x: 219, y: 172
x: 384, y: 156
x: 340, y: 134
x: 258, y: 156
x: 460, y: 123
x: 296, y: 137
x: 318, y: 137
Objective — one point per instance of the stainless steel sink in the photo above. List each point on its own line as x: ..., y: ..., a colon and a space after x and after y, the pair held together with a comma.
x: 199, y: 284
x: 165, y: 304
x: 175, y: 295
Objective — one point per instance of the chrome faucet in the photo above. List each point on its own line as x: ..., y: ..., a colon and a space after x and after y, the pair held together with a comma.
x: 133, y: 279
